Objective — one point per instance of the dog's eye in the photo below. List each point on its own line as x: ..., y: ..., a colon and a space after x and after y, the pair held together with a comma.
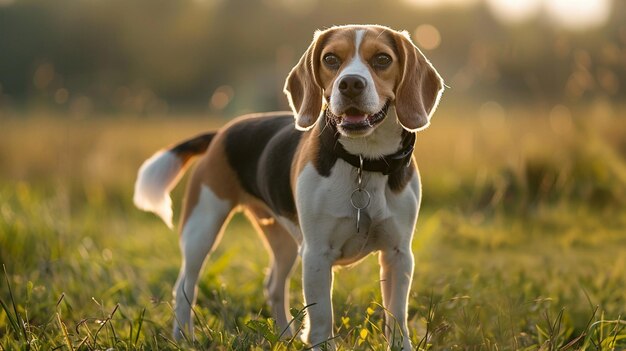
x: 381, y: 61
x: 332, y: 61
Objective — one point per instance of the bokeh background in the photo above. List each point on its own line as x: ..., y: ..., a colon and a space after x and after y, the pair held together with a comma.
x: 228, y: 57
x: 521, y: 241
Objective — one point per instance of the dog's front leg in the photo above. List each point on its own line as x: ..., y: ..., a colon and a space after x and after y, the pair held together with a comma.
x: 396, y: 275
x: 317, y: 277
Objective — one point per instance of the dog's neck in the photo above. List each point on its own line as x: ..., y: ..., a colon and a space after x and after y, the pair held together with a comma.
x: 386, y: 151
x: 384, y: 140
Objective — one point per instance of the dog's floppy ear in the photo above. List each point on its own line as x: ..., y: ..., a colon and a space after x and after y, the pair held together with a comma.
x: 302, y: 86
x: 419, y: 88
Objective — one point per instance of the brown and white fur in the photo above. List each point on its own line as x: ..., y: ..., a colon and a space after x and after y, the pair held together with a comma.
x: 363, y: 86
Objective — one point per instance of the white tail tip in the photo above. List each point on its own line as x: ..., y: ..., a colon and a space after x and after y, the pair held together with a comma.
x: 155, y: 179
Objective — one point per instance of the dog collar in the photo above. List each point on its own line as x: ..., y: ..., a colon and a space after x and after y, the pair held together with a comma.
x: 386, y: 165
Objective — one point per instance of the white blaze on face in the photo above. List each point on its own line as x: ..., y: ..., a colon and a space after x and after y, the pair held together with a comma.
x: 369, y: 102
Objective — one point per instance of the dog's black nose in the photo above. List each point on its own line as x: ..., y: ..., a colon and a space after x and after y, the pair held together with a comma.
x: 352, y: 85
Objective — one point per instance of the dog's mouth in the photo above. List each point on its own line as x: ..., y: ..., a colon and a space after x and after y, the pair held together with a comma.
x: 355, y: 120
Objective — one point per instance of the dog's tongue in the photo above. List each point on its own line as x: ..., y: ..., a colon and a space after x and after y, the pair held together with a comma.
x: 354, y: 118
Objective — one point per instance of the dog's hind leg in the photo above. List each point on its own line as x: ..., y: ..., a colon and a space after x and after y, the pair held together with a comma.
x: 199, y: 234
x: 284, y: 252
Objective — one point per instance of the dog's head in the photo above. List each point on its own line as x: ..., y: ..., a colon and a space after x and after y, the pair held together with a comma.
x: 358, y: 72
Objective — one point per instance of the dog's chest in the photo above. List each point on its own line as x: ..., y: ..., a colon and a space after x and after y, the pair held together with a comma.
x: 328, y: 219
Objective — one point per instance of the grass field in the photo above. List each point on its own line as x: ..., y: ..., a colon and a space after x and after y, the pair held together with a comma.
x: 520, y: 245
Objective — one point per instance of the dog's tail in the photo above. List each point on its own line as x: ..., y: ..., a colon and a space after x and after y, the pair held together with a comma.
x: 159, y: 174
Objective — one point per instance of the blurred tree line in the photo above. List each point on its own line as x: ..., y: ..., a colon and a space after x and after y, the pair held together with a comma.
x: 231, y: 56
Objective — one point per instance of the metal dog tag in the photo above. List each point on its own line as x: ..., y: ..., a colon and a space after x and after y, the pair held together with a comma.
x: 360, y: 199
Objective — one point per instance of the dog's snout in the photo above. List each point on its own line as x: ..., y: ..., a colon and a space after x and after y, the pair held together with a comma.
x: 352, y: 85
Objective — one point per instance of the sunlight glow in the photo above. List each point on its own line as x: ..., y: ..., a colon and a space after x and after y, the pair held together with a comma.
x: 222, y: 97
x: 514, y: 11
x: 570, y: 14
x: 427, y: 37
x: 579, y: 14
x: 440, y: 3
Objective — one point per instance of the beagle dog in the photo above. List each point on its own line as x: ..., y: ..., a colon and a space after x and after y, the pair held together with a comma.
x: 340, y: 185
